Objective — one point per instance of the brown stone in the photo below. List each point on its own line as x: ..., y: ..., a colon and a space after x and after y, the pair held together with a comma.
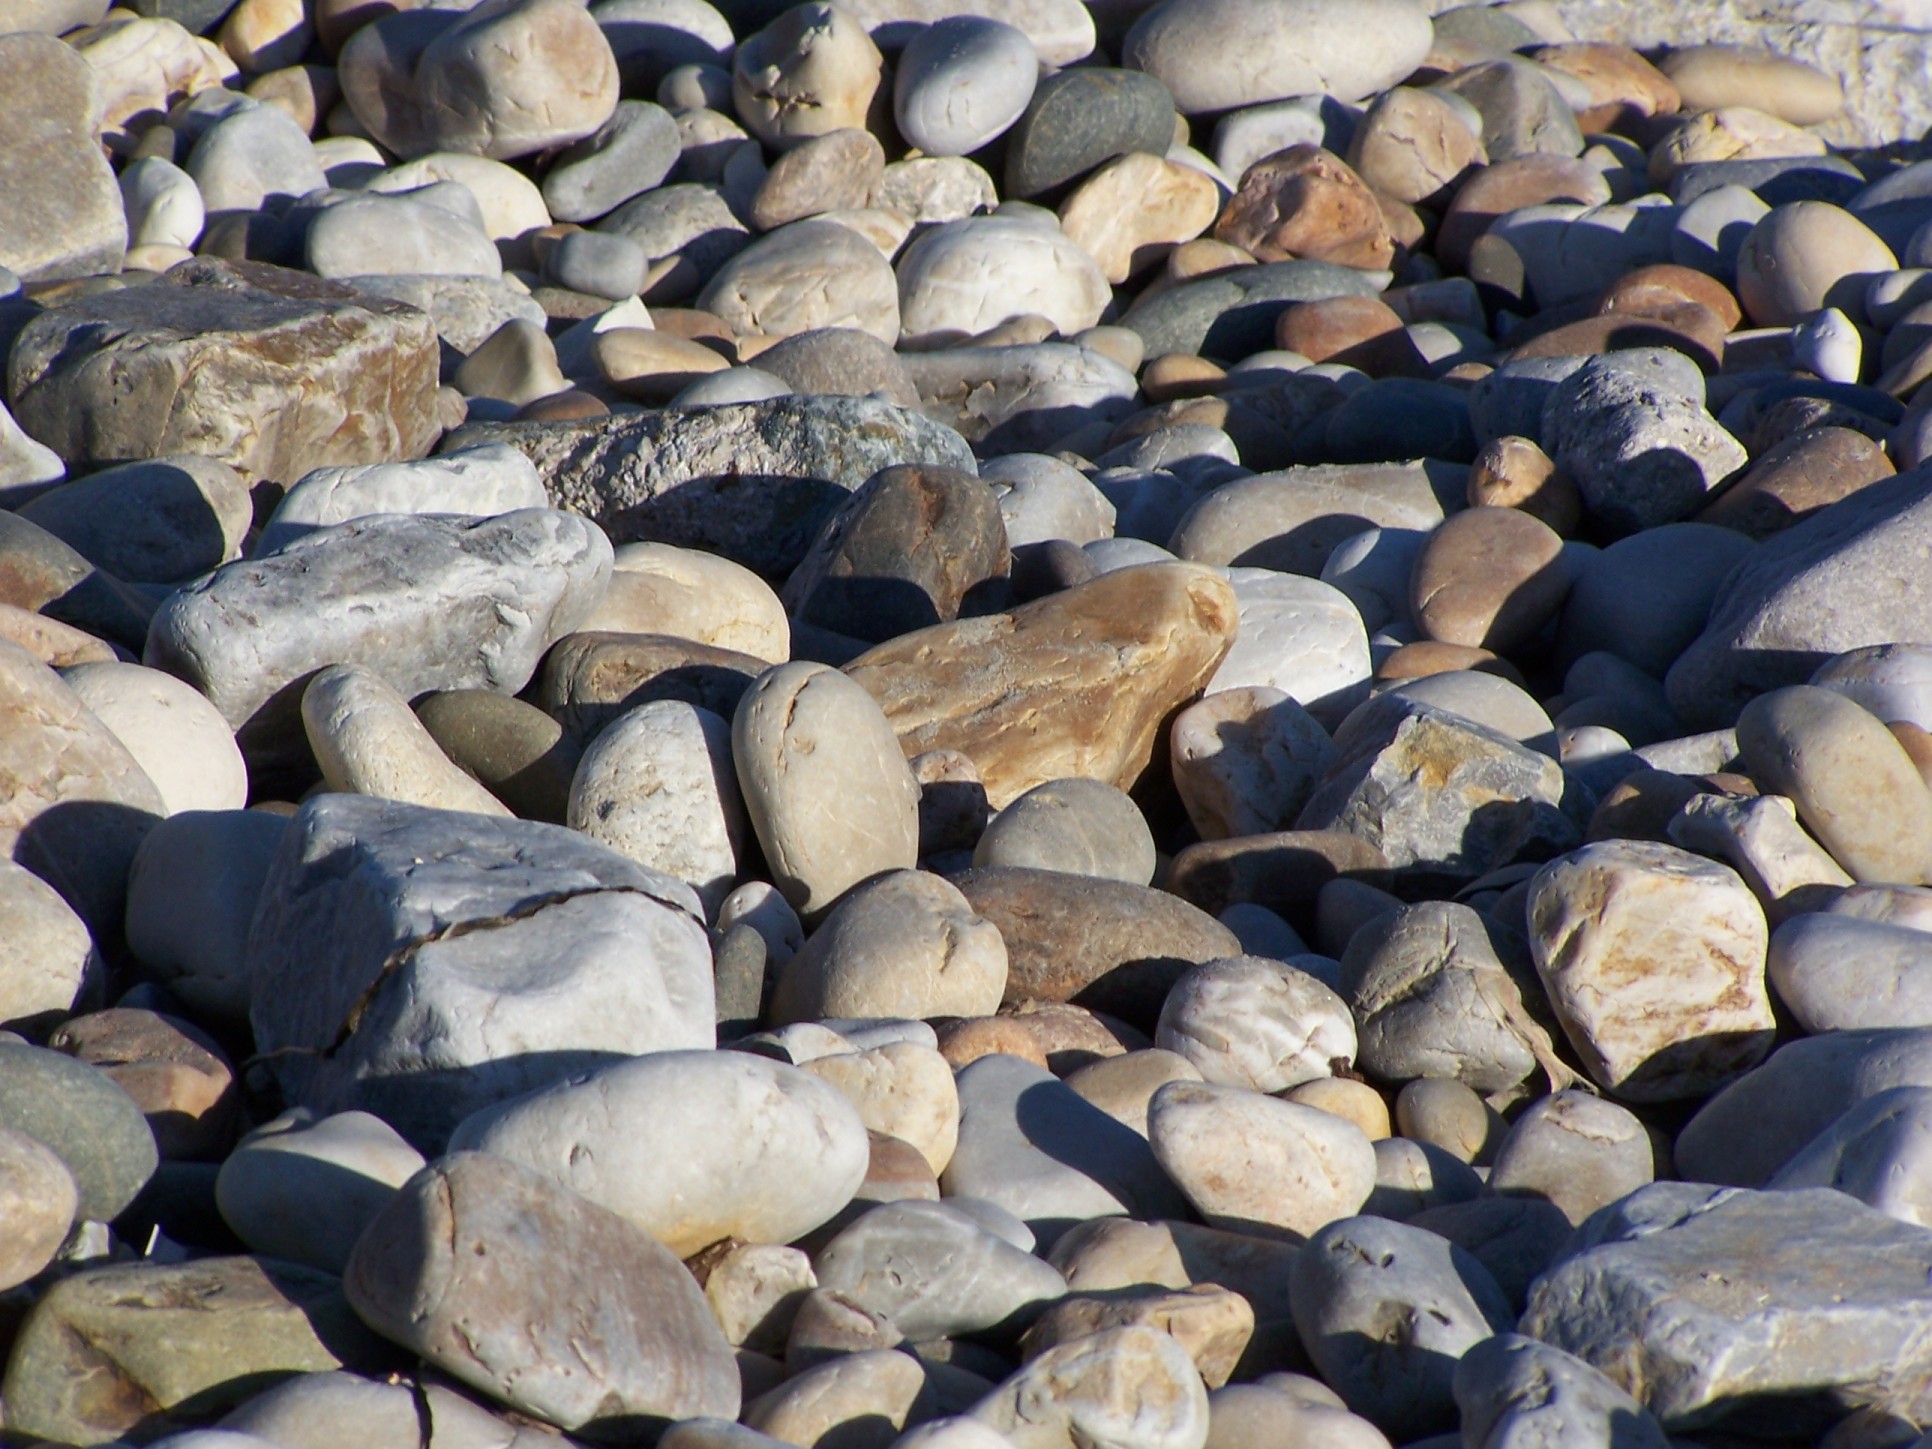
x: 832, y: 172
x: 307, y: 93
x: 1181, y: 375
x: 1414, y: 146
x: 1507, y: 186
x: 1284, y: 871
x: 1212, y: 1323
x: 1689, y: 328
x: 966, y: 1040
x: 1795, y: 478
x: 1077, y: 683
x: 1512, y: 472
x: 1102, y: 944
x: 1651, y: 291
x: 563, y: 407
x: 1362, y: 332
x: 1640, y: 806
x: 1306, y: 202
x: 1729, y: 133
x: 1624, y: 87
x: 590, y: 678
x: 517, y: 752
x: 895, y: 1171
x: 1489, y: 578
x: 271, y: 371
x: 173, y: 1070
x: 1432, y: 656
x: 1203, y: 257
x: 1072, y: 1037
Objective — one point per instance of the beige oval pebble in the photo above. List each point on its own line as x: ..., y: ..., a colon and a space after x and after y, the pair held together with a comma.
x: 369, y: 742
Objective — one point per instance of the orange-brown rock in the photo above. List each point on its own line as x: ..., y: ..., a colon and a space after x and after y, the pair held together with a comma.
x: 173, y: 1070
x: 567, y: 406
x: 1414, y: 145
x: 1431, y: 656
x: 965, y: 1040
x: 1494, y: 190
x: 1077, y: 683
x: 1624, y: 87
x: 1688, y: 327
x: 1512, y: 472
x: 1072, y: 1037
x: 1103, y: 944
x: 1651, y: 291
x: 1283, y: 871
x: 1307, y: 202
x: 1363, y: 332
x: 1181, y: 375
x: 1489, y: 578
x: 1796, y: 478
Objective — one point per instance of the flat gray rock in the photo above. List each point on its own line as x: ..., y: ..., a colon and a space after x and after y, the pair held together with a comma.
x: 1781, y: 1311
x: 465, y: 309
x: 426, y: 601
x: 752, y: 481
x: 423, y: 963
x: 1832, y: 582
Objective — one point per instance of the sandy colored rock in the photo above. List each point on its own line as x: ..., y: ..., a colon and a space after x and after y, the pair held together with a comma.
x: 1489, y: 578
x: 1414, y: 146
x: 1709, y: 76
x: 812, y: 70
x: 1142, y: 639
x: 1796, y: 478
x: 1730, y: 133
x: 1804, y: 256
x: 1132, y: 211
x: 1653, y: 959
x: 1306, y: 202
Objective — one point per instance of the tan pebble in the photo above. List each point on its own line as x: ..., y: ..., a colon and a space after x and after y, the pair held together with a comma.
x: 1181, y: 375
x: 1357, y: 1102
x: 1512, y: 472
x: 965, y: 1041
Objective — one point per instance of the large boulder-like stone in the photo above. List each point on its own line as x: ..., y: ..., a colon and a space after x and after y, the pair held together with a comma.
x: 421, y: 964
x: 693, y: 1147
x: 1078, y: 683
x: 752, y: 481
x: 463, y: 1266
x: 271, y: 371
x: 1700, y: 1300
x: 426, y: 602
x: 63, y: 216
x: 1838, y: 580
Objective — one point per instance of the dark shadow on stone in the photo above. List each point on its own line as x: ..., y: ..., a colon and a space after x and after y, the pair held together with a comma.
x: 764, y: 521
x: 84, y: 850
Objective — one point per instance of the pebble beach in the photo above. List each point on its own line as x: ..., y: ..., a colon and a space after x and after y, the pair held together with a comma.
x: 965, y: 724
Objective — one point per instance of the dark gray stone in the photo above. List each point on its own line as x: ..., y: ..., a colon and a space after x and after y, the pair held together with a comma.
x: 1081, y: 117
x: 84, y: 1117
x: 911, y: 548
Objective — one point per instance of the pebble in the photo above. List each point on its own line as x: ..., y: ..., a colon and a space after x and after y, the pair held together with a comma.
x: 1246, y: 1021
x: 961, y: 82
x: 1134, y: 1385
x: 812, y: 70
x: 1084, y: 827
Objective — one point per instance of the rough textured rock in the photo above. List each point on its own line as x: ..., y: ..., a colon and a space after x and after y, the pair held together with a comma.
x: 1104, y: 944
x: 270, y: 371
x: 1695, y: 1297
x: 1255, y: 1023
x: 582, y: 954
x: 1514, y: 1392
x: 1440, y: 796
x: 1141, y: 639
x: 1654, y: 962
x: 458, y: 1268
x: 753, y: 481
x: 146, y: 1349
x: 693, y: 1147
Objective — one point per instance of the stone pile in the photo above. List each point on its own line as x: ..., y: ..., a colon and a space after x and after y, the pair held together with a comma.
x: 906, y: 724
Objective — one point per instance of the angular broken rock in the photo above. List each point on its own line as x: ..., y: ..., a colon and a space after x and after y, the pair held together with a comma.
x: 752, y: 481
x: 1653, y: 959
x: 1443, y: 798
x: 462, y: 1268
x: 1132, y: 1388
x: 271, y: 371
x: 420, y: 964
x: 1700, y: 1300
x: 1078, y: 683
x: 425, y: 601
x: 1105, y: 944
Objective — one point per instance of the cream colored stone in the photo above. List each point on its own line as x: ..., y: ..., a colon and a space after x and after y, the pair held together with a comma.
x: 1730, y: 133
x: 902, y: 1089
x: 1761, y: 839
x: 659, y: 588
x: 1131, y: 212
x: 1653, y: 959
x: 755, y: 1289
x: 369, y: 742
x: 968, y: 276
x: 145, y: 66
x: 1129, y: 1388
x: 264, y: 35
x: 180, y: 739
x: 812, y: 70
